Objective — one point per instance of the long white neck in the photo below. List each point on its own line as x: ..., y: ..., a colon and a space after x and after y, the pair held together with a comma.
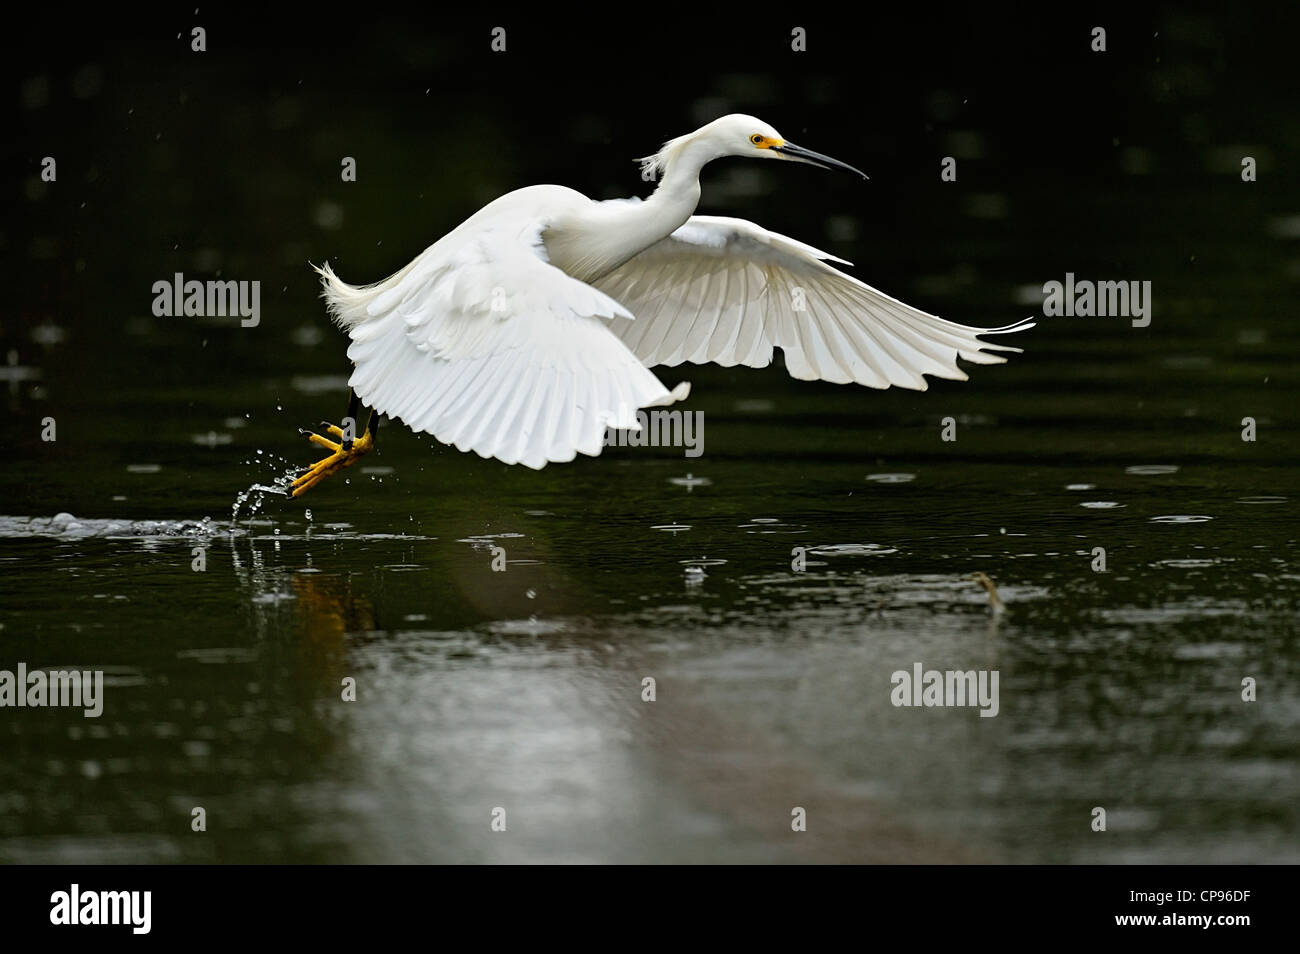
x: 610, y: 233
x: 679, y: 188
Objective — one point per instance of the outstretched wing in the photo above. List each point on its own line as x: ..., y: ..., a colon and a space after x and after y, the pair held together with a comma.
x: 485, y: 345
x: 727, y: 291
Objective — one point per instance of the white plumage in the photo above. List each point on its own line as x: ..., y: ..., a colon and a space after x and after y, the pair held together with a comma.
x: 725, y: 291
x: 527, y: 331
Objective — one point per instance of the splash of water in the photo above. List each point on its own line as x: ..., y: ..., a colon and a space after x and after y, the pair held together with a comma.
x: 255, y: 496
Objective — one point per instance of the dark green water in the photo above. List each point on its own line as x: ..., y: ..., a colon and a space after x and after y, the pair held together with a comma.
x: 521, y: 689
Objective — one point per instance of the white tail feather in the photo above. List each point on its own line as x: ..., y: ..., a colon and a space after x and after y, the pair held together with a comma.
x: 348, y: 304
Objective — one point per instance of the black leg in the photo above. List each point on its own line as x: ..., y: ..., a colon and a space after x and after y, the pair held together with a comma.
x: 354, y: 407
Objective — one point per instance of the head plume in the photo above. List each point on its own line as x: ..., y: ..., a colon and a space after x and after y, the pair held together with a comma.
x: 652, y: 167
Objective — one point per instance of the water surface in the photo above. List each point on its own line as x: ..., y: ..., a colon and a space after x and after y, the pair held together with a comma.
x: 521, y: 689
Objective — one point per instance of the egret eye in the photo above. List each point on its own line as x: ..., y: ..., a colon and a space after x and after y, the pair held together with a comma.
x: 756, y: 139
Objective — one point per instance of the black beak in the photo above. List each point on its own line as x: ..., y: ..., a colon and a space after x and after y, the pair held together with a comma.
x: 800, y: 154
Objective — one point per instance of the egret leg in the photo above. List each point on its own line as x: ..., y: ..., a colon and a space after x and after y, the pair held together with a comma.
x: 354, y: 405
x: 344, y: 452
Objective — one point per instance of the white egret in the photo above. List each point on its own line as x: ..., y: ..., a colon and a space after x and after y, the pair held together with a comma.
x: 529, y: 329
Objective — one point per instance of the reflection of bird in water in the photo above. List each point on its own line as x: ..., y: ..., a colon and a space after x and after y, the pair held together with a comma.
x: 996, y: 606
x: 327, y: 610
x: 527, y: 331
x: 326, y: 606
x: 438, y: 618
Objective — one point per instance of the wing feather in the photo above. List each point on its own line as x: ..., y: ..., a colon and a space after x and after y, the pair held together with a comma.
x: 486, y: 345
x: 725, y: 290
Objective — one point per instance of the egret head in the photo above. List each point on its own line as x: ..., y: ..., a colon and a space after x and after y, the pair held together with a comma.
x: 740, y: 135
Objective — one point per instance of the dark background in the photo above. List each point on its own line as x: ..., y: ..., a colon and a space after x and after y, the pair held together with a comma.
x: 1121, y: 688
x: 220, y: 162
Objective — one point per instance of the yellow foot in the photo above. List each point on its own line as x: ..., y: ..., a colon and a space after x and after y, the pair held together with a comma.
x: 338, y: 459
